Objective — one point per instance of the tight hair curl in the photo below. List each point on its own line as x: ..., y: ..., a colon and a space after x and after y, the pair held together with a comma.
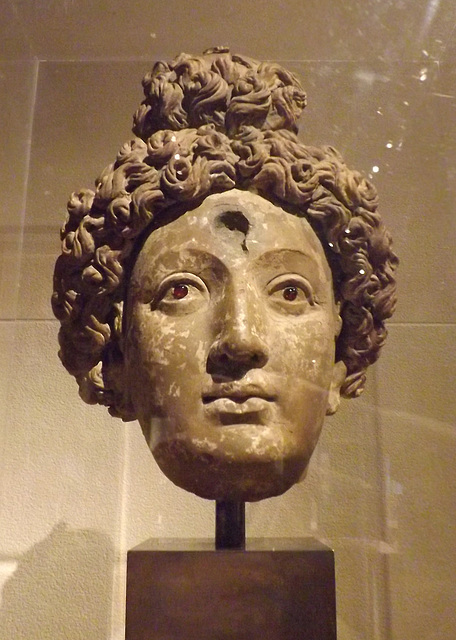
x: 209, y: 124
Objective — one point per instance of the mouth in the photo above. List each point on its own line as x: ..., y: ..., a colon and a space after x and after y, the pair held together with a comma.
x: 238, y: 394
x: 232, y: 404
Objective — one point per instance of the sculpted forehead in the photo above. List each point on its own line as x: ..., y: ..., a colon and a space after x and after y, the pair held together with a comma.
x: 237, y: 223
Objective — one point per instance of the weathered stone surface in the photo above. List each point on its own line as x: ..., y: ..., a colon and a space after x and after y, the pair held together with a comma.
x: 230, y: 326
x: 177, y: 303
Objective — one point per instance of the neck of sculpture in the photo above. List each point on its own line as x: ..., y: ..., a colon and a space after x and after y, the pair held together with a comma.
x: 229, y: 525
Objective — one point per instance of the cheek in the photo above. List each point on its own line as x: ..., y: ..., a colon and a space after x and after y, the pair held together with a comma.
x: 304, y: 349
x: 158, y: 349
x: 303, y: 356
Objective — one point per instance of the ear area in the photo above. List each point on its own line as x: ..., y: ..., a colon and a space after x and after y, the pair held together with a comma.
x: 338, y: 376
x: 117, y: 396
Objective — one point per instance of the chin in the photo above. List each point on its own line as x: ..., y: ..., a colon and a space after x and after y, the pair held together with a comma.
x: 218, y: 475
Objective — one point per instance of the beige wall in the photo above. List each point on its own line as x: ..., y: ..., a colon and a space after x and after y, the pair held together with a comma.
x: 77, y: 488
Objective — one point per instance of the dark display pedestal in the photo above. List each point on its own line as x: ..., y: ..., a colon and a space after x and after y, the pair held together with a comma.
x: 271, y: 590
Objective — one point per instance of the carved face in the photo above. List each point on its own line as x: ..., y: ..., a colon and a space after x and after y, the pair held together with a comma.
x: 229, y: 346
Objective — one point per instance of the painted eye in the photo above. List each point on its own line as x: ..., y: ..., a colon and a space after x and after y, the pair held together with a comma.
x: 290, y: 293
x: 179, y: 291
x: 180, y: 294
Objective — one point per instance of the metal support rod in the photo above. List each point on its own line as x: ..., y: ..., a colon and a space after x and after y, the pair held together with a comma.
x: 229, y: 525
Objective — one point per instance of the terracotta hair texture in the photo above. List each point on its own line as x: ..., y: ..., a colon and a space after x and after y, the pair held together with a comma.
x: 208, y: 124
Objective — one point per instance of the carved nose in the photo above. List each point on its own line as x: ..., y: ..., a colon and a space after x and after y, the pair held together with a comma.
x: 239, y: 347
x: 249, y: 352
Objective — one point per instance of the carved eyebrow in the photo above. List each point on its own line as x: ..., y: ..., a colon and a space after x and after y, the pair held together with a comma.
x: 291, y: 254
x: 197, y: 261
x: 298, y: 261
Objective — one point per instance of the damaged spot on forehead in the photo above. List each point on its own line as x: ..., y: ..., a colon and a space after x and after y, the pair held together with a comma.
x: 233, y: 220
x: 236, y: 222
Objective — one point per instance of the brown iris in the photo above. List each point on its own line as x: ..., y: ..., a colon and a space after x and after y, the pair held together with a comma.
x: 180, y: 291
x: 290, y: 293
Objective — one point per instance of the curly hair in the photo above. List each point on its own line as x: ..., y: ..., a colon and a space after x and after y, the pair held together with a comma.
x: 209, y: 124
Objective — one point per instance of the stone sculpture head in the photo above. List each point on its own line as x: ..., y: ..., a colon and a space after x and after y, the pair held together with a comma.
x: 225, y: 284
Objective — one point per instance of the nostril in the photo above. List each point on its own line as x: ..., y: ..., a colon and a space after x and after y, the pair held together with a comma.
x: 232, y: 358
x: 256, y: 359
x: 259, y: 359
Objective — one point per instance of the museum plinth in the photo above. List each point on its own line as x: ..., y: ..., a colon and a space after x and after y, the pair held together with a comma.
x: 271, y: 590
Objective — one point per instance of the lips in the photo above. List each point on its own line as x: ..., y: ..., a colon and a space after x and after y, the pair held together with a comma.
x: 238, y: 393
x: 235, y: 403
x: 250, y: 404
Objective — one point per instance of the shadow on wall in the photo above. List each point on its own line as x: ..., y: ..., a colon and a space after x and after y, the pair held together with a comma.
x: 61, y: 590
